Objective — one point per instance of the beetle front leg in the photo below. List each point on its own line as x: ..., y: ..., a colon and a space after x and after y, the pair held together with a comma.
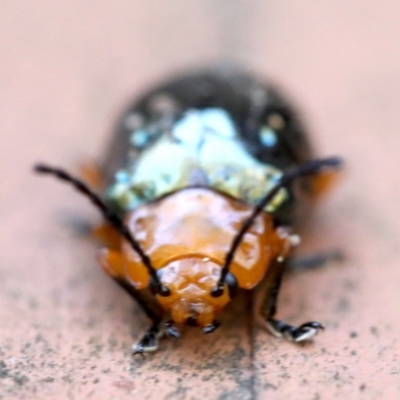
x: 267, y: 302
x: 111, y: 261
x: 149, y: 341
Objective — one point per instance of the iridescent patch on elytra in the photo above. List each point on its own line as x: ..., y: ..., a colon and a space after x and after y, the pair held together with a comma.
x: 202, y: 148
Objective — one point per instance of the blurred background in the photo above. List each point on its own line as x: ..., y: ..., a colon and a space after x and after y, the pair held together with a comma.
x: 67, y: 69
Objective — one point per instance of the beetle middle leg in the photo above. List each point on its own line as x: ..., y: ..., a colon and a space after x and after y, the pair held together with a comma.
x: 266, y: 302
x: 315, y: 260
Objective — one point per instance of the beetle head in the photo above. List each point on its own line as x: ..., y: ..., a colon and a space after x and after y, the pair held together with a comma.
x: 190, y: 281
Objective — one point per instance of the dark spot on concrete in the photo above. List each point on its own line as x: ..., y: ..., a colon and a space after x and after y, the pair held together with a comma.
x: 353, y: 335
x: 112, y: 343
x: 350, y: 285
x: 343, y: 305
x: 374, y: 330
x: 125, y: 384
x: 48, y: 379
x: 206, y: 378
x: 4, y: 371
x: 178, y: 394
x: 363, y: 387
x: 285, y: 376
x: 33, y: 304
x: 269, y: 386
x: 336, y: 377
x: 67, y: 379
x: 25, y: 347
x: 353, y: 353
x: 20, y: 379
x: 237, y: 394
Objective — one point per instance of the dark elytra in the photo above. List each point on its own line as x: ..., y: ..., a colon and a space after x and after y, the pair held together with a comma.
x: 245, y: 98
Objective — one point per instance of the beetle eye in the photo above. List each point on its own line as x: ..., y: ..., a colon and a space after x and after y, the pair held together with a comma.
x: 217, y: 291
x: 231, y: 282
x: 164, y: 291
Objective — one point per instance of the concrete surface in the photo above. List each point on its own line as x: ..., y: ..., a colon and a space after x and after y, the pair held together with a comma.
x: 67, y: 69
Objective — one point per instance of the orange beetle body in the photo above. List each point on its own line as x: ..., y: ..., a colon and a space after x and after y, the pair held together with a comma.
x: 202, y: 182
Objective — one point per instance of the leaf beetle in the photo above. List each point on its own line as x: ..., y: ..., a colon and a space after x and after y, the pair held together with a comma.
x: 201, y: 186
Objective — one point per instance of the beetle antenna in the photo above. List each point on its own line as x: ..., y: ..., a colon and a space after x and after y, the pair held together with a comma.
x: 309, y: 168
x: 109, y: 215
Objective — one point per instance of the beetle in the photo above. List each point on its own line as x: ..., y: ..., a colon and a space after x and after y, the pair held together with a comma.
x: 201, y: 187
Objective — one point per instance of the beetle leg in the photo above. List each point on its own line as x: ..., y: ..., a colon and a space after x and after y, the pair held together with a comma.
x: 301, y: 333
x: 171, y: 330
x: 211, y: 327
x: 111, y: 262
x: 267, y: 299
x: 314, y: 261
x: 149, y: 341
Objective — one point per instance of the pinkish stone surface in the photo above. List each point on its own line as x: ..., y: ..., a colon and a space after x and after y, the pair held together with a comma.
x: 67, y: 69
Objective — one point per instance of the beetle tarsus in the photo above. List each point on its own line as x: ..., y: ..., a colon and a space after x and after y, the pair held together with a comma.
x: 298, y: 334
x: 211, y: 327
x: 148, y: 343
x: 171, y: 330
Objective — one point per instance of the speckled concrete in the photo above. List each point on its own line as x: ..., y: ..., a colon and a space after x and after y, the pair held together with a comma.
x: 67, y: 69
